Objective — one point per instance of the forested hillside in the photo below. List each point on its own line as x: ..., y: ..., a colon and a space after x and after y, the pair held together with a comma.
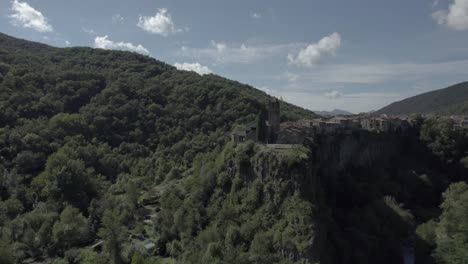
x: 115, y: 157
x: 452, y: 100
x: 87, y: 131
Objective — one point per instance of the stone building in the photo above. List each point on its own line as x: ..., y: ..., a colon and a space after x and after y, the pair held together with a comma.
x: 272, y: 126
x: 343, y: 122
x: 385, y: 124
x: 273, y: 122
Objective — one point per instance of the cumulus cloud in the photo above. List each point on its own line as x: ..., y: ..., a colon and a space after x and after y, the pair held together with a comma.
x: 26, y: 16
x: 270, y: 91
x: 313, y: 53
x: 333, y: 94
x: 89, y: 31
x: 256, y: 15
x: 67, y: 43
x: 117, y: 18
x: 195, y: 67
x: 219, y: 46
x: 456, y: 17
x: 221, y: 52
x: 291, y: 77
x: 161, y: 23
x: 105, y: 43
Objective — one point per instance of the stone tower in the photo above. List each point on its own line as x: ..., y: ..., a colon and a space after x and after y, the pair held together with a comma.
x: 273, y: 120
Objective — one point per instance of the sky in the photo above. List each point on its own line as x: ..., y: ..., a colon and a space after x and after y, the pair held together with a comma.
x: 356, y: 55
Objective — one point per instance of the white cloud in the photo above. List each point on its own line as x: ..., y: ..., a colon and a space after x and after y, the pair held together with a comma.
x: 195, y: 67
x: 221, y: 52
x: 380, y: 73
x: 67, y: 43
x: 333, y: 94
x: 456, y: 17
x: 161, y: 23
x: 105, y: 43
x: 26, y: 16
x: 440, y: 16
x: 313, y: 53
x: 117, y: 18
x: 256, y: 15
x: 291, y: 77
x: 220, y: 46
x: 89, y: 31
x: 270, y: 91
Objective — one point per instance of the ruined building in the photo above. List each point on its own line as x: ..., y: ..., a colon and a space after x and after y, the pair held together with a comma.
x: 271, y: 125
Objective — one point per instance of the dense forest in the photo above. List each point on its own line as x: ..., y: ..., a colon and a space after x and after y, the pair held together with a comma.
x: 120, y: 150
x: 452, y: 100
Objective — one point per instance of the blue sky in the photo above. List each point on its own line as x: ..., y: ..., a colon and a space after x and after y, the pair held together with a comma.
x: 320, y: 54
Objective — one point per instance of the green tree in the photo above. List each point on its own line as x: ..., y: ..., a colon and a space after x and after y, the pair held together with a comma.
x: 6, y: 252
x: 71, y: 230
x: 66, y: 179
x: 114, y: 234
x: 452, y: 230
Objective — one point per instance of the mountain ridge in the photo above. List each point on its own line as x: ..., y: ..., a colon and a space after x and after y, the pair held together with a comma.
x: 334, y: 112
x: 446, y: 101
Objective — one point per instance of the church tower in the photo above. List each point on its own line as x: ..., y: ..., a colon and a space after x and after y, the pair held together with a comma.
x: 273, y: 119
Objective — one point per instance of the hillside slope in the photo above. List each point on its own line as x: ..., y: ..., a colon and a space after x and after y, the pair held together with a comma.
x: 451, y: 100
x: 121, y: 92
x: 85, y: 134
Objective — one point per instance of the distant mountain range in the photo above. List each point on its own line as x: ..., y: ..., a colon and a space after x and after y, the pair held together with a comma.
x: 334, y: 112
x: 452, y: 100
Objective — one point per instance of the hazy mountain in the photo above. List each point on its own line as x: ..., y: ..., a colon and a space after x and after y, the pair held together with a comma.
x: 335, y: 112
x: 450, y: 100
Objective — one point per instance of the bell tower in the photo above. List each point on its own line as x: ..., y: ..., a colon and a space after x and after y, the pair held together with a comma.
x: 273, y: 119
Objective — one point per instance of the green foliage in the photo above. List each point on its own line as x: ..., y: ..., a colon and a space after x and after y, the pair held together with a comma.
x: 448, y: 236
x: 114, y: 235
x: 233, y: 218
x: 452, y: 229
x: 11, y: 207
x: 66, y: 179
x: 94, y: 129
x: 450, y: 144
x: 6, y: 252
x: 71, y: 230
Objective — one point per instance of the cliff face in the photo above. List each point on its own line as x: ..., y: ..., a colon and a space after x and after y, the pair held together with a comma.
x: 292, y: 165
x: 289, y: 173
x: 346, y: 198
x: 355, y: 183
x: 376, y: 187
x: 257, y: 203
x: 360, y: 149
